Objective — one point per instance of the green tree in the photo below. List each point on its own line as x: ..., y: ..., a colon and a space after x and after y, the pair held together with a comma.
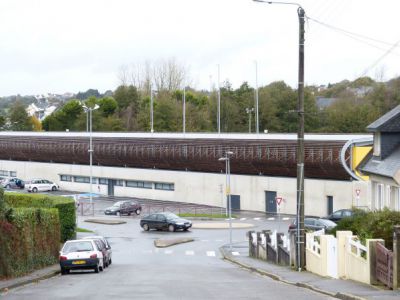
x: 19, y: 119
x: 108, y: 106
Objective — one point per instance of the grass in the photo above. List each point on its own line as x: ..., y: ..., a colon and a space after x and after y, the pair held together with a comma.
x: 216, y: 216
x: 78, y: 229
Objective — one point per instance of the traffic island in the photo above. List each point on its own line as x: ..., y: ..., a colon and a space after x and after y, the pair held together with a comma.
x: 167, y: 243
x: 105, y: 221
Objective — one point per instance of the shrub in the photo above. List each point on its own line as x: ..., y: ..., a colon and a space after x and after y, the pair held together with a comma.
x: 65, y: 206
x: 372, y: 225
x: 29, y: 239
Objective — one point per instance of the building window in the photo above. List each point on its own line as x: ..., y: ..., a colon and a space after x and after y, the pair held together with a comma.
x: 3, y: 173
x: 139, y: 184
x: 13, y: 173
x: 82, y: 179
x: 379, y: 196
x: 164, y: 186
x: 119, y: 182
x: 65, y: 177
x: 103, y: 181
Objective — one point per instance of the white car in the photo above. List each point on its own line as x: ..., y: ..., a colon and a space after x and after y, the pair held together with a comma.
x: 81, y: 254
x: 38, y: 185
x: 108, y: 259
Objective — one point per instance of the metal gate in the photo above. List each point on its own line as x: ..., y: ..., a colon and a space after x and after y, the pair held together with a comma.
x: 270, y: 202
x: 384, y: 265
x: 332, y: 266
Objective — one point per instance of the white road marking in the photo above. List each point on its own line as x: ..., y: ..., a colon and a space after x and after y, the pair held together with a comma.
x: 271, y: 219
x: 210, y: 253
x: 235, y: 253
x: 189, y: 252
x: 285, y: 219
x: 242, y: 219
x: 168, y: 251
x: 219, y: 240
x: 204, y: 240
x: 256, y: 219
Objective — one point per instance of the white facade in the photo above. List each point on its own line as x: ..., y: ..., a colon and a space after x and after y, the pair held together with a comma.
x: 200, y: 188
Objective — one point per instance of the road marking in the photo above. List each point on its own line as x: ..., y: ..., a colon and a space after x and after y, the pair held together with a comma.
x: 271, y: 219
x: 189, y: 252
x: 168, y: 251
x: 235, y: 253
x: 242, y: 219
x: 219, y: 240
x: 285, y: 219
x: 256, y: 219
x: 204, y: 240
x: 210, y: 253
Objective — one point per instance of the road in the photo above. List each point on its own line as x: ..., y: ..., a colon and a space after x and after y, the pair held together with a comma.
x: 187, y: 271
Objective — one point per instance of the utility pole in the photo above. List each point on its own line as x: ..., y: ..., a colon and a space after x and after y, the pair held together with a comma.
x: 256, y: 96
x: 249, y: 111
x: 184, y: 109
x: 219, y: 105
x: 300, y: 147
x: 151, y: 110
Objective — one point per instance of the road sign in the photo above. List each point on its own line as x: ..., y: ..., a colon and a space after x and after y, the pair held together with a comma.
x: 358, y: 192
x: 279, y: 200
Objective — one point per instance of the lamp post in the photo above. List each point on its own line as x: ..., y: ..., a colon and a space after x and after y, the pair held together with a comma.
x: 184, y: 109
x: 300, y: 137
x: 226, y: 158
x: 89, y: 111
x: 249, y: 111
x: 256, y: 98
x: 151, y: 110
x: 219, y: 105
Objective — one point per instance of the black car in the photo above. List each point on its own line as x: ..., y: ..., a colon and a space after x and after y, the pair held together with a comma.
x: 164, y: 221
x: 126, y: 207
x: 340, y: 214
x: 313, y: 224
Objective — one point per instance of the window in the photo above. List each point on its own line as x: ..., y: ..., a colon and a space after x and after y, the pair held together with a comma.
x: 164, y: 186
x: 13, y: 173
x: 82, y: 179
x: 3, y: 173
x: 119, y: 182
x: 103, y: 181
x: 139, y: 184
x: 65, y: 177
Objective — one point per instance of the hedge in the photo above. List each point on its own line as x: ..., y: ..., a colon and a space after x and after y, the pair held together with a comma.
x: 65, y: 206
x: 29, y: 239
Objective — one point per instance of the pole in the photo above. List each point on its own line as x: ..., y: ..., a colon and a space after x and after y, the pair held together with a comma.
x: 184, y: 110
x: 229, y: 201
x: 151, y: 110
x: 300, y: 148
x: 91, y: 157
x: 249, y: 120
x: 257, y: 125
x: 226, y: 184
x: 219, y: 105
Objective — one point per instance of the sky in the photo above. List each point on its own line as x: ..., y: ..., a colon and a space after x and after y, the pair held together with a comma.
x: 58, y: 46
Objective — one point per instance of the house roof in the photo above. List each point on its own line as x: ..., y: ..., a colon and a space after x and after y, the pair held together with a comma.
x: 389, y: 122
x: 387, y: 167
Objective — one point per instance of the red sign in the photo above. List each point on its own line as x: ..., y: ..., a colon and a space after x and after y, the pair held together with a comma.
x: 278, y: 200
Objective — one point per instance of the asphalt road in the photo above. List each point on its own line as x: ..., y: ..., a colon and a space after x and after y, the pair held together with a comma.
x: 187, y: 271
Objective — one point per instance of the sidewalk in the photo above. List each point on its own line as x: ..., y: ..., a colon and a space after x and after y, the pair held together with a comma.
x: 30, y: 278
x: 342, y: 289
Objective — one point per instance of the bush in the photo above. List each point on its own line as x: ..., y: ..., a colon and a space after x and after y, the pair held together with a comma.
x: 65, y: 206
x: 29, y: 239
x: 372, y: 225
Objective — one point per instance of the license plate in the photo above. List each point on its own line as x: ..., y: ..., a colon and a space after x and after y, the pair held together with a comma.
x: 79, y: 262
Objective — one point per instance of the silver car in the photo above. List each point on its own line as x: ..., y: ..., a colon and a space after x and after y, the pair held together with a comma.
x: 38, y: 185
x: 108, y: 259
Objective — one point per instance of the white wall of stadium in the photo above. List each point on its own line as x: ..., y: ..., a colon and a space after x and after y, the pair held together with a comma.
x: 197, y: 187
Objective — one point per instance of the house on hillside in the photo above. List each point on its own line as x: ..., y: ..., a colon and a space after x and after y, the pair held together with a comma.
x: 40, y: 111
x: 383, y: 163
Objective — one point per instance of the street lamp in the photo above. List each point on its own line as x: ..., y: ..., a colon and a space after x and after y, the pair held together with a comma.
x: 89, y: 110
x: 300, y: 137
x: 226, y: 158
x: 249, y: 111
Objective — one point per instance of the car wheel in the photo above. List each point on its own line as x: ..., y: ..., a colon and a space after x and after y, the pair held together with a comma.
x: 64, y: 271
x: 129, y: 213
x: 138, y: 211
x: 96, y: 269
x: 110, y: 262
x: 185, y: 229
x: 146, y: 227
x: 171, y: 228
x: 54, y: 188
x: 34, y: 190
x: 8, y: 186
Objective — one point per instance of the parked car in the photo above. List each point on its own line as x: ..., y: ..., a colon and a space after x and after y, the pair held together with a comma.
x: 314, y: 224
x: 126, y: 207
x: 164, y: 221
x: 38, y: 185
x: 13, y: 183
x: 108, y: 257
x: 340, y: 214
x: 81, y: 254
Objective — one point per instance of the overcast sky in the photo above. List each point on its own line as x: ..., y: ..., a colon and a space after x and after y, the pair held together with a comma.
x: 70, y: 46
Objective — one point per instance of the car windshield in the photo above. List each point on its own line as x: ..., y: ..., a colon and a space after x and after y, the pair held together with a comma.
x: 117, y: 204
x: 171, y: 216
x: 78, y: 247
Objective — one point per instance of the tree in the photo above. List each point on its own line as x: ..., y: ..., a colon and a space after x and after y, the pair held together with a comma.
x: 108, y: 106
x: 19, y: 119
x: 36, y: 125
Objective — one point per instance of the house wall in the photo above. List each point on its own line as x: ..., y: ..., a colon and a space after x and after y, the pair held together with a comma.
x: 202, y: 188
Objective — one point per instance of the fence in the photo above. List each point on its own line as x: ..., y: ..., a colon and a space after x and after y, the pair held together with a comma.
x: 384, y: 265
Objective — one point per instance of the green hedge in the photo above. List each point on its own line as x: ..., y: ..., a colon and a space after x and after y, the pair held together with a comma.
x: 65, y: 206
x: 29, y: 239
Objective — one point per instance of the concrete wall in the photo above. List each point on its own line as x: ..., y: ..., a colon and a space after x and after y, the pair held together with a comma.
x: 202, y: 188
